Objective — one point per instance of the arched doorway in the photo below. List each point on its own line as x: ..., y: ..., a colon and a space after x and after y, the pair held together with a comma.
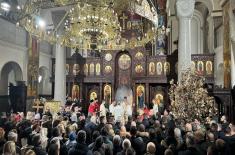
x: 10, y: 74
x: 123, y: 81
x: 44, y: 81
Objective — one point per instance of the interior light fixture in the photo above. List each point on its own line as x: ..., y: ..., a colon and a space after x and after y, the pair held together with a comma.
x: 5, y: 6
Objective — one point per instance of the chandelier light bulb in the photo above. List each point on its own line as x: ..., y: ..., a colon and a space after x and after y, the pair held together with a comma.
x: 18, y: 7
x: 5, y: 6
x: 41, y: 23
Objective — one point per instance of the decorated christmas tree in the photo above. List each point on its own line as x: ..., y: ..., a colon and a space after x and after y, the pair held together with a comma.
x: 190, y: 100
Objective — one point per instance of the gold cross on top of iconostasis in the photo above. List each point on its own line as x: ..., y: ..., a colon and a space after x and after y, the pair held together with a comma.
x: 37, y: 105
x: 124, y: 18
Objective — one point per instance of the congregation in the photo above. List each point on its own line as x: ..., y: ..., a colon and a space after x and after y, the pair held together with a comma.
x: 159, y: 134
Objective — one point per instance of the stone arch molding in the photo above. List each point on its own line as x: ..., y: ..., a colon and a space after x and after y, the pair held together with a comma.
x: 208, y: 3
x: 10, y: 72
x: 197, y: 16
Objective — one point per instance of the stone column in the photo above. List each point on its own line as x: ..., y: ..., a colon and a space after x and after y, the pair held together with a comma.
x: 210, y: 34
x: 60, y: 77
x: 185, y: 9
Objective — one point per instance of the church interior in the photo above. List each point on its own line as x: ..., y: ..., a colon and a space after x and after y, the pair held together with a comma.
x: 106, y: 49
x: 117, y: 77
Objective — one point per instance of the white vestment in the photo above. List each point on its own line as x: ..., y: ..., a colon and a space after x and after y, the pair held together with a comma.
x: 111, y: 107
x: 118, y: 112
x: 128, y: 110
x: 102, y: 110
x: 155, y: 109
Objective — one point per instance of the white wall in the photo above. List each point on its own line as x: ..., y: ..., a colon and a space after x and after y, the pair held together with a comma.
x: 45, y: 61
x: 13, y: 46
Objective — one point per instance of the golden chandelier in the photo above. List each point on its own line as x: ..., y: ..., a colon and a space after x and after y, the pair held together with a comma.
x: 86, y: 24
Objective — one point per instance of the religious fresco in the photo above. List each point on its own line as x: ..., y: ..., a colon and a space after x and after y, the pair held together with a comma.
x: 140, y: 96
x: 159, y: 68
x: 152, y: 68
x: 139, y: 55
x: 54, y: 106
x: 92, y: 69
x: 107, y: 93
x: 75, y: 92
x: 159, y: 101
x: 200, y: 67
x: 166, y: 68
x: 67, y: 69
x: 209, y: 67
x: 93, y: 95
x: 108, y: 69
x: 76, y: 69
x: 193, y: 66
x: 139, y: 69
x: 227, y: 46
x: 33, y: 65
x: 124, y: 61
x: 85, y: 69
x: 108, y: 57
x: 97, y: 69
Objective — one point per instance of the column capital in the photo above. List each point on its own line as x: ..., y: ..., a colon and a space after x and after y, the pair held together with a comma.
x: 185, y: 8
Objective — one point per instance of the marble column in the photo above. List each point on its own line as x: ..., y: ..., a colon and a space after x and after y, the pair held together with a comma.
x: 210, y: 36
x: 60, y: 76
x: 185, y: 9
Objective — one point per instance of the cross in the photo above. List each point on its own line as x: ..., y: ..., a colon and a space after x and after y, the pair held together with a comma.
x: 37, y: 105
x: 123, y: 18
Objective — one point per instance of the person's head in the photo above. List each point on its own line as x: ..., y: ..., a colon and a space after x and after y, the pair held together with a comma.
x: 126, y: 144
x: 141, y: 128
x: 214, y: 127
x: 220, y: 145
x: 81, y: 136
x: 102, y: 119
x: 54, y: 147
x: 30, y: 152
x: 133, y: 131
x: 99, y: 142
x: 104, y: 131
x: 117, y: 140
x: 199, y: 136
x: 12, y: 136
x: 61, y: 128
x: 189, y: 139
x: 232, y: 129
x: 210, y: 137
x: 151, y: 148
x: 125, y: 99
x: 211, y: 150
x: 168, y: 152
x: 95, y: 135
x: 227, y: 131
x: 56, y: 132
x: 130, y: 151
x: 9, y: 148
x: 72, y: 136
x: 177, y: 133
x: 223, y: 119
x: 166, y: 112
x: 188, y: 127
x: 36, y: 140
x: 2, y: 133
x: 93, y: 119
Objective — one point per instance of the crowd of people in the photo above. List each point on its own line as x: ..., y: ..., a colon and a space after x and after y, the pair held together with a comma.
x: 71, y: 132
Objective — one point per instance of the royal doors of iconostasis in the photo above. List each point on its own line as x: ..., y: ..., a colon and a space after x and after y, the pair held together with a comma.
x: 123, y: 78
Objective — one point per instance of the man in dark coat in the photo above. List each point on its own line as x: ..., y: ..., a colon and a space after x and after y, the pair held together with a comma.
x: 81, y: 147
x: 191, y: 150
